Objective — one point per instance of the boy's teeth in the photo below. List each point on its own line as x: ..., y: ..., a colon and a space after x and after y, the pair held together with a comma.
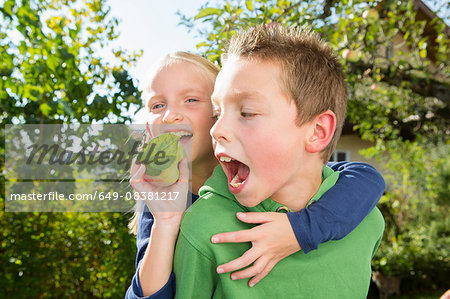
x: 234, y: 182
x: 225, y: 159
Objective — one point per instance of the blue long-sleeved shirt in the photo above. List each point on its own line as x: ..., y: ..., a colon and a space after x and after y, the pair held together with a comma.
x: 339, y: 211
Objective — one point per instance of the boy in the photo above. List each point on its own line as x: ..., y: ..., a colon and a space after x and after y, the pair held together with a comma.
x: 280, y: 100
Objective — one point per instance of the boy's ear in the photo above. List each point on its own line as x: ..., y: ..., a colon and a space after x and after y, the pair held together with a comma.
x: 323, y: 126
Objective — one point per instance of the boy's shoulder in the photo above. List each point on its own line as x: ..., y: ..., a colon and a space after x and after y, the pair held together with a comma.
x: 210, y: 212
x: 376, y: 219
x: 209, y: 215
x: 372, y: 227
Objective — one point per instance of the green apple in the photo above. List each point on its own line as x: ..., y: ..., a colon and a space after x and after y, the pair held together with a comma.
x: 162, y: 155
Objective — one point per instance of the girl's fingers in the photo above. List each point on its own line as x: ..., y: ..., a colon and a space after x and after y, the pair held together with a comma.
x: 258, y: 266
x: 234, y: 237
x: 136, y: 169
x: 246, y: 259
x: 149, y: 130
x: 255, y: 217
x: 137, y: 176
x: 258, y: 277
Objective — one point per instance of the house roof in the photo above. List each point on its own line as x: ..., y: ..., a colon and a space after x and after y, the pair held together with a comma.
x: 426, y: 11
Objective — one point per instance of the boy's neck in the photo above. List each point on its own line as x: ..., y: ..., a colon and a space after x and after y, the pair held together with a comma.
x: 297, y: 193
x: 201, y: 171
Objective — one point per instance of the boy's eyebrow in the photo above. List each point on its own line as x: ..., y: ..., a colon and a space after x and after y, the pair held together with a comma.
x: 241, y: 95
x: 247, y: 95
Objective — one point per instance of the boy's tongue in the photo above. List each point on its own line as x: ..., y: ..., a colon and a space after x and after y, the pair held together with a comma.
x: 240, y: 173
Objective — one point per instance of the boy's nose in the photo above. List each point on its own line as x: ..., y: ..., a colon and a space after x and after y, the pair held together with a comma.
x: 220, y: 131
x: 172, y: 116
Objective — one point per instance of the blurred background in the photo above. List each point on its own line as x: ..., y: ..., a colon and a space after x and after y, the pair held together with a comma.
x: 73, y: 61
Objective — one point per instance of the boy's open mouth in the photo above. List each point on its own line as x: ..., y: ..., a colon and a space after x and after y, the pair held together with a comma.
x: 237, y: 173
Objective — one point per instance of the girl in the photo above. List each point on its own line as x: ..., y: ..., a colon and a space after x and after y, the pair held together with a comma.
x: 179, y: 94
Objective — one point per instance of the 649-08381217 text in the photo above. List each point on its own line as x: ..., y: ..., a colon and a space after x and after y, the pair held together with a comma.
x: 54, y: 195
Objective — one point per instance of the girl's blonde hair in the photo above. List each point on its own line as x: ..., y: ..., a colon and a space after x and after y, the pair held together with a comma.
x: 207, y: 67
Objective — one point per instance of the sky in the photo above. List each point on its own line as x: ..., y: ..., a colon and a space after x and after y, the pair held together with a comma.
x: 151, y: 25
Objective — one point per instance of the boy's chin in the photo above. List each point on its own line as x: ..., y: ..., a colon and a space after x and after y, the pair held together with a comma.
x: 247, y: 201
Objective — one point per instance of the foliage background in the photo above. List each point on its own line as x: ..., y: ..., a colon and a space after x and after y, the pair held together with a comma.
x: 52, y: 73
x: 398, y: 100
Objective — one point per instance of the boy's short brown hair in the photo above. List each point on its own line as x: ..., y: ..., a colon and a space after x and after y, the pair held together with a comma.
x: 311, y: 73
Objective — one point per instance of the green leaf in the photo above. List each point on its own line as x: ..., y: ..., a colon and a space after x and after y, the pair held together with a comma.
x: 52, y: 62
x: 423, y: 53
x: 207, y: 11
x: 249, y: 5
x: 213, y: 57
x: 422, y: 43
x: 73, y: 33
x: 8, y: 7
x: 45, y: 109
x: 202, y: 44
x: 227, y: 7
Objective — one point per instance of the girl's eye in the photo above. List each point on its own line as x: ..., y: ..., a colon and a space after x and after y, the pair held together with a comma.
x: 156, y: 107
x: 191, y: 100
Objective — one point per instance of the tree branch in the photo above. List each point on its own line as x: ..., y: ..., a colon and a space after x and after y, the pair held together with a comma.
x: 426, y: 87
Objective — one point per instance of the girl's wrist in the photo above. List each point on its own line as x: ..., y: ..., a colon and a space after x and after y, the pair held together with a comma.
x: 168, y: 224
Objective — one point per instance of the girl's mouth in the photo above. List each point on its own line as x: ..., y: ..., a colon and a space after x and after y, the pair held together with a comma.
x: 184, y: 136
x: 237, y: 173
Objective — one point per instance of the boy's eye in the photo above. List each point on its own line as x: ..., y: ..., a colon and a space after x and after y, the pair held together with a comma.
x: 191, y: 100
x: 215, y: 115
x: 248, y: 114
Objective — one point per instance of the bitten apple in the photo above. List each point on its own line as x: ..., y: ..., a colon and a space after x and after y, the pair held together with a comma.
x: 162, y: 155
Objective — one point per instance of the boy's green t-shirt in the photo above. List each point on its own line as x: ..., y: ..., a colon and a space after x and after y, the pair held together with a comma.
x: 337, y: 269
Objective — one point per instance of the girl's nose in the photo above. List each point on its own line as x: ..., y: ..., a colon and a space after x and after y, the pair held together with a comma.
x: 172, y: 116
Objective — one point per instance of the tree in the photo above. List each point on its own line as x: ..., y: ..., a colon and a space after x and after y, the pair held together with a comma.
x: 53, y: 71
x: 395, y: 56
x: 51, y: 65
x: 417, y: 71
